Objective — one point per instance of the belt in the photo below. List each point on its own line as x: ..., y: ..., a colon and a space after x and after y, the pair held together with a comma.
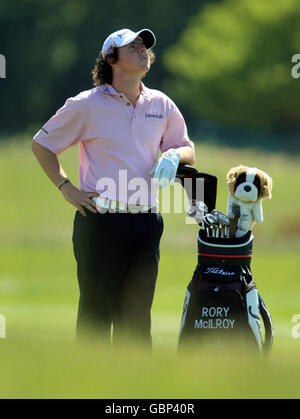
x: 110, y: 205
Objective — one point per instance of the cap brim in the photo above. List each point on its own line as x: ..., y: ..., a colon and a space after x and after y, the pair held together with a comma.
x: 148, y: 37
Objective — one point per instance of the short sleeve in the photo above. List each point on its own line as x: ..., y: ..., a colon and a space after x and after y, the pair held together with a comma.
x: 65, y: 128
x: 175, y: 134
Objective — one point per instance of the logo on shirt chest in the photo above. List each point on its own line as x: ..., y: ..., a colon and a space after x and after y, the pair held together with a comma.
x: 154, y: 116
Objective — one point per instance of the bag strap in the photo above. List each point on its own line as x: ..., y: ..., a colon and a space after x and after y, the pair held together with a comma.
x: 268, y: 324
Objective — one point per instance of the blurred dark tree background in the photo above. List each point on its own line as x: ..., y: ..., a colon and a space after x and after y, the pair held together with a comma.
x: 232, y: 64
x: 226, y: 63
x: 51, y: 47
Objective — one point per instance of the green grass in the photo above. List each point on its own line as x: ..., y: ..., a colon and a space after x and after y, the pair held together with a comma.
x: 38, y: 293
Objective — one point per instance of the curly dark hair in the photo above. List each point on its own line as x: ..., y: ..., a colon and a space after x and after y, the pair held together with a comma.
x: 102, y: 72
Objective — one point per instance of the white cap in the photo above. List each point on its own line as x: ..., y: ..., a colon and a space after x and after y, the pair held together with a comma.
x: 126, y: 36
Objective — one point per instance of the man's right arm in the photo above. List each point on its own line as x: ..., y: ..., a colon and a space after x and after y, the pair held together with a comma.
x: 51, y: 166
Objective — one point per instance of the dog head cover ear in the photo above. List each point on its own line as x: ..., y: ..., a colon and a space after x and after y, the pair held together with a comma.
x: 232, y: 176
x: 266, y: 185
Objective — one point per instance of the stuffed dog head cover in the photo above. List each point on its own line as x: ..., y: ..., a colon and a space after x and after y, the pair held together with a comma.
x: 247, y: 187
x: 249, y: 184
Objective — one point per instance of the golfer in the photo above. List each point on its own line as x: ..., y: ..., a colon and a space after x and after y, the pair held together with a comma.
x: 120, y: 125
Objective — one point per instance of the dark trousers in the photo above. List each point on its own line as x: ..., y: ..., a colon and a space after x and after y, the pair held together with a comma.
x: 117, y: 265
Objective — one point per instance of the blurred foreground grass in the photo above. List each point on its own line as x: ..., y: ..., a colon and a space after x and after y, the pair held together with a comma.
x: 38, y: 293
x: 56, y: 370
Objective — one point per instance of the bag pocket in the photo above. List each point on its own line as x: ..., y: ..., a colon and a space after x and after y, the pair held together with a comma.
x: 214, y: 315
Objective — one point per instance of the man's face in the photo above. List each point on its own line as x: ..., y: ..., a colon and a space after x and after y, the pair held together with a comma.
x: 134, y: 58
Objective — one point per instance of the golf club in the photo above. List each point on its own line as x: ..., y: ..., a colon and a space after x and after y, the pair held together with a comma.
x: 214, y: 224
x: 224, y: 222
x: 197, y: 210
x: 206, y: 225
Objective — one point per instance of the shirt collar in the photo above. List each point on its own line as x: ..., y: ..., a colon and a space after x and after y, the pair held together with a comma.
x: 108, y: 89
x: 145, y: 91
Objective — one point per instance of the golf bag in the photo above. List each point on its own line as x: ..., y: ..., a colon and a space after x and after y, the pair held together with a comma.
x: 222, y: 304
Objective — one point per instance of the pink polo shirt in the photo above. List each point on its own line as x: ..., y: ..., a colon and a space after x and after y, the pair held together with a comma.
x: 118, y: 144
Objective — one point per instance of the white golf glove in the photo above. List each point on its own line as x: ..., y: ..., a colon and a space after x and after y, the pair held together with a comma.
x: 165, y: 169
